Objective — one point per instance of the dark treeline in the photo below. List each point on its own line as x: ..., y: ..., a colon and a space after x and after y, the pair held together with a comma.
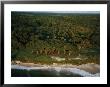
x: 59, y: 32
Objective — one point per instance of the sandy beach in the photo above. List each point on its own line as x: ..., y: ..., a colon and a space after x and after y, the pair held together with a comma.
x: 89, y: 69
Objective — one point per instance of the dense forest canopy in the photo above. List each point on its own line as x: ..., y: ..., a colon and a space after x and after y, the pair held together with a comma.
x: 36, y: 31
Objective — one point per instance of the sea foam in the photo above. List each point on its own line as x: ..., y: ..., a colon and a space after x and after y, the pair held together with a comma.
x: 58, y: 69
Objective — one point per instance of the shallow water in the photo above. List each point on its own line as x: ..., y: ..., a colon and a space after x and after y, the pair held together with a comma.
x: 23, y: 71
x: 41, y: 73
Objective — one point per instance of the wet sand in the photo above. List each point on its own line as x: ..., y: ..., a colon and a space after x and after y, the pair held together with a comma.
x: 89, y: 69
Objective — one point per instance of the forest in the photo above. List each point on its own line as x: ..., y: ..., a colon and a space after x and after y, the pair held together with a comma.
x: 40, y: 37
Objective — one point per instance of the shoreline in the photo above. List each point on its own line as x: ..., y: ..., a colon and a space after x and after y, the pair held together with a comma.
x: 89, y: 67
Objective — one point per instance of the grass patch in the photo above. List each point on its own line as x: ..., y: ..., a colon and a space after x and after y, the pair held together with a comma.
x: 25, y: 55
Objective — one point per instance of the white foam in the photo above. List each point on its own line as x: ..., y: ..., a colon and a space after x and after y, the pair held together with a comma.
x: 58, y: 69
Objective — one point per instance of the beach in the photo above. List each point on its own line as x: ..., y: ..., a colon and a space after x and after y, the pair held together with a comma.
x: 85, y: 70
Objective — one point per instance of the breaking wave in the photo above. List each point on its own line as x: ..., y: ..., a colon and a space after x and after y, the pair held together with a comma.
x: 58, y: 70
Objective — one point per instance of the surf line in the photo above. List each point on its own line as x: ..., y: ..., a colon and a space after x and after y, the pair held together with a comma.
x: 58, y: 69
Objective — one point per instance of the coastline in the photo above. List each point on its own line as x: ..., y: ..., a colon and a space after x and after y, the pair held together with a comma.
x: 86, y: 70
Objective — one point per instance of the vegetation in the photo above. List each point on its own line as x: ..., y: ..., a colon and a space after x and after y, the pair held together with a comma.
x: 35, y: 37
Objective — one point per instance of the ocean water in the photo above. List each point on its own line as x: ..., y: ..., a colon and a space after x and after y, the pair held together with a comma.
x: 41, y: 73
x: 23, y: 71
